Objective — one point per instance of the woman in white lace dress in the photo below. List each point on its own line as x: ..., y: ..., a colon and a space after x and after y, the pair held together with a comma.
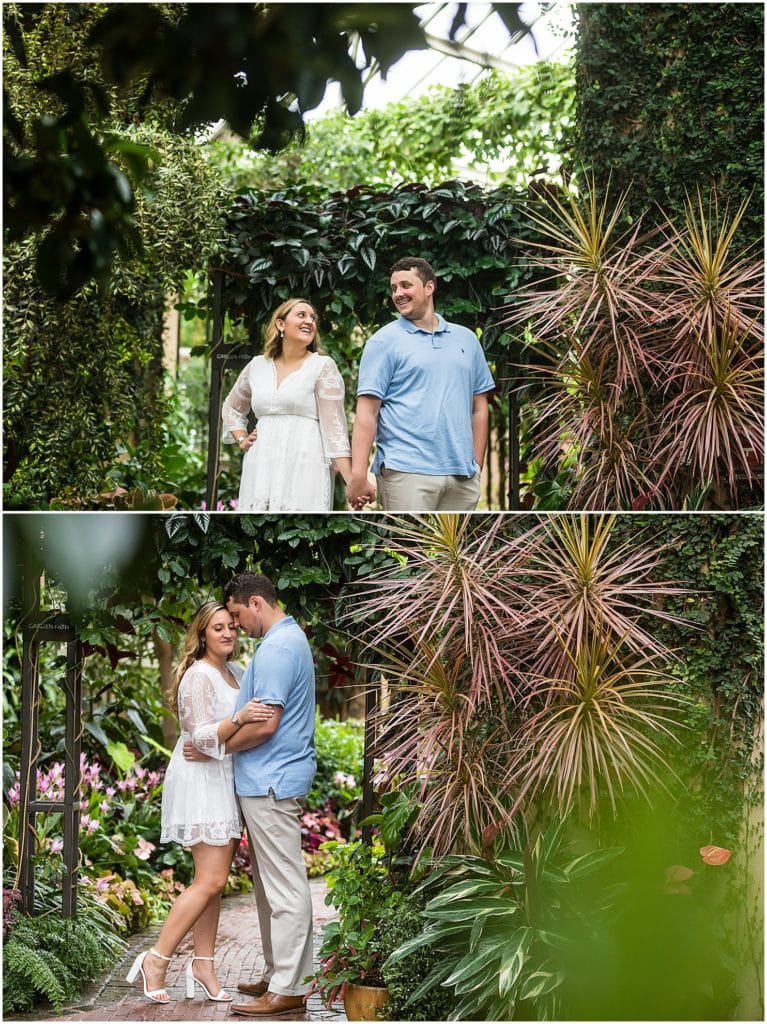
x: 199, y: 805
x: 297, y: 396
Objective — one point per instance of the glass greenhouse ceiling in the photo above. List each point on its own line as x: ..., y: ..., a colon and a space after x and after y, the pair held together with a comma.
x: 482, y: 41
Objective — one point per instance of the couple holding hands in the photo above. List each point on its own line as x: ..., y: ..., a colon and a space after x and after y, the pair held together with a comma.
x: 245, y: 754
x: 422, y: 397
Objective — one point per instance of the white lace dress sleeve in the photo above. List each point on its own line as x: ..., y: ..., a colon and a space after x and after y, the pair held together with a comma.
x: 197, y: 699
x: 334, y: 429
x: 198, y: 798
x: 234, y: 412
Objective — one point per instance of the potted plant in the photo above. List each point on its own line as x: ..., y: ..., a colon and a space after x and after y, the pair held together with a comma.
x: 350, y: 954
x: 368, y: 887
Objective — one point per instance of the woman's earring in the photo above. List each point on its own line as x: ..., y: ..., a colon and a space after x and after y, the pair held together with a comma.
x: 282, y: 335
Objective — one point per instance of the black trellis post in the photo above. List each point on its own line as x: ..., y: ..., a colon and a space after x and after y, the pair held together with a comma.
x: 514, y: 504
x: 371, y: 707
x: 222, y: 357
x: 39, y: 629
x: 214, y: 405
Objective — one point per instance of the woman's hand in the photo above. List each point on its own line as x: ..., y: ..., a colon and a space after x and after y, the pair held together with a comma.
x: 247, y: 442
x: 255, y: 711
x: 191, y: 753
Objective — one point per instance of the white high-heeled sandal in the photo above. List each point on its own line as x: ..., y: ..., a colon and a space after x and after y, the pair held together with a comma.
x: 138, y: 968
x: 191, y: 981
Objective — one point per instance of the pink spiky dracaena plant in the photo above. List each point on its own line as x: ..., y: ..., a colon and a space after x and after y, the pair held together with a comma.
x: 648, y: 352
x: 490, y: 630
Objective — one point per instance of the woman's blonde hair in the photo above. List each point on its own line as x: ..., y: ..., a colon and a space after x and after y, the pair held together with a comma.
x: 193, y: 645
x: 272, y: 339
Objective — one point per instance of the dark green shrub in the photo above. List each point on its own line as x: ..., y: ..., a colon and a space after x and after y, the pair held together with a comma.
x: 670, y: 96
x: 403, y: 977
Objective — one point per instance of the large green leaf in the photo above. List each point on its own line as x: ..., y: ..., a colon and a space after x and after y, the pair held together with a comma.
x: 426, y: 938
x: 121, y: 755
x: 474, y: 963
x: 513, y: 959
x: 589, y: 862
x: 462, y: 890
x: 539, y: 983
x: 479, y: 907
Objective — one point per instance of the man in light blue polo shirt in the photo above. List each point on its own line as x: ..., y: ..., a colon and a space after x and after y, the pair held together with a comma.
x: 273, y: 770
x: 422, y: 395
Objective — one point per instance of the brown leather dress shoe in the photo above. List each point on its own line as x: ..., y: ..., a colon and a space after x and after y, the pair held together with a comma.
x: 269, y: 1005
x: 254, y: 988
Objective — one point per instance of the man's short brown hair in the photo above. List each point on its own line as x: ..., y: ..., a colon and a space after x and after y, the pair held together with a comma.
x: 424, y: 270
x: 250, y: 584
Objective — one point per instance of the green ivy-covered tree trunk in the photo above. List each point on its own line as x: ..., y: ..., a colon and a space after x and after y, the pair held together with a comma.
x: 670, y: 97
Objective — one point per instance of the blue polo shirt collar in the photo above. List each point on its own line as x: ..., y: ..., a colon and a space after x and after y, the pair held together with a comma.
x: 287, y: 621
x: 411, y: 328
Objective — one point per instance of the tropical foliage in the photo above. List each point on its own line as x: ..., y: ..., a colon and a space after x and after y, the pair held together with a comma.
x: 498, y: 930
x: 645, y: 354
x: 528, y: 670
x: 541, y: 621
x: 503, y: 129
x: 52, y: 958
x: 372, y: 887
x: 62, y: 178
x: 84, y: 398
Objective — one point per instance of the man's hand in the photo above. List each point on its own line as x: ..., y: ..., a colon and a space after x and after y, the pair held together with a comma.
x: 191, y: 753
x: 255, y: 711
x: 359, y: 491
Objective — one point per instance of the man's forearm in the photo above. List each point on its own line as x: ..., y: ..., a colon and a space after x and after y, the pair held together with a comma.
x: 480, y: 418
x: 252, y: 734
x: 363, y: 435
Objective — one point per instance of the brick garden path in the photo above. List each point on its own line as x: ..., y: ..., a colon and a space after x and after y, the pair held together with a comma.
x: 238, y: 957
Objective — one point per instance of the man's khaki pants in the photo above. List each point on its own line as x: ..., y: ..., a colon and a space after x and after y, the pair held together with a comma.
x: 283, y: 897
x: 417, y: 492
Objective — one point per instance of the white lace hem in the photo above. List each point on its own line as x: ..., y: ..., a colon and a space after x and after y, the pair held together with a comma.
x: 212, y: 833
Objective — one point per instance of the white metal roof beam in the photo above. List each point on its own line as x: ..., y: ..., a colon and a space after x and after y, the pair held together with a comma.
x: 487, y: 60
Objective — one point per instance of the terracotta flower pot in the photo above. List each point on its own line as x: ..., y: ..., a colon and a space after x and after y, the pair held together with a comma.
x: 365, y: 1002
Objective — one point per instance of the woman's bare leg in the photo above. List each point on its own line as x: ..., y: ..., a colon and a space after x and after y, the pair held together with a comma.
x: 211, y: 870
x: 204, y: 934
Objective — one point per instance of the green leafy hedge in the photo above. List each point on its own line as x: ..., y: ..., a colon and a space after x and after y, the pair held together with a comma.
x: 721, y: 559
x: 670, y: 96
x: 84, y: 403
x: 83, y: 381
